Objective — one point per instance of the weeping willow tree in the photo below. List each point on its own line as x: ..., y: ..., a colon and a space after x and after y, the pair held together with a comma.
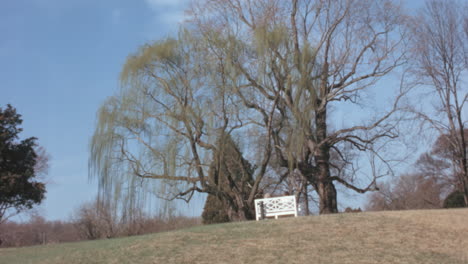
x: 159, y: 134
x: 267, y: 72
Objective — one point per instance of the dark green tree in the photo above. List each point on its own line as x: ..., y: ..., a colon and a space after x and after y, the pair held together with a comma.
x: 231, y: 177
x: 214, y: 211
x: 455, y: 199
x: 19, y: 188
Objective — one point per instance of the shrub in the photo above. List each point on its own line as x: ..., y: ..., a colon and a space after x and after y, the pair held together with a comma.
x: 214, y: 211
x: 454, y: 200
x: 351, y: 210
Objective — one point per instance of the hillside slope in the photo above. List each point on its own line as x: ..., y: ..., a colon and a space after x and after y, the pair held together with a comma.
x: 428, y: 236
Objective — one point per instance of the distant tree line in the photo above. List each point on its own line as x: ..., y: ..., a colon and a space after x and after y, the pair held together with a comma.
x: 432, y: 184
x: 90, y: 221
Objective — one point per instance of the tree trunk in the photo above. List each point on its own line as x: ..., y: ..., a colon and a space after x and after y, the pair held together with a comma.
x: 465, y: 189
x: 240, y: 214
x: 306, y: 199
x: 327, y: 194
x: 325, y: 188
x: 464, y: 160
x: 238, y: 209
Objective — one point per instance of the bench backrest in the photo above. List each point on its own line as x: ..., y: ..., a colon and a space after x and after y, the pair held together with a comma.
x: 284, y: 205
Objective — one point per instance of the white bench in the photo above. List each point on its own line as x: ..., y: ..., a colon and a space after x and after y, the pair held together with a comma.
x: 268, y: 207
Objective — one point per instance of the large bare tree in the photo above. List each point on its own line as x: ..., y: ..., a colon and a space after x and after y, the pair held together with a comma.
x: 266, y: 72
x: 301, y: 58
x: 441, y: 65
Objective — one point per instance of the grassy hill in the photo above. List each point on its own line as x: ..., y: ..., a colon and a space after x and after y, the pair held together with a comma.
x: 427, y: 236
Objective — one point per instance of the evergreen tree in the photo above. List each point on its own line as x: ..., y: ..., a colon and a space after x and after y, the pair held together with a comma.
x: 231, y: 181
x: 455, y: 200
x: 18, y: 188
x: 214, y: 211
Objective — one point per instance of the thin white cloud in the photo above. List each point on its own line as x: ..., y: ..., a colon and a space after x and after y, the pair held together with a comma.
x: 169, y: 12
x: 158, y: 4
x: 172, y: 17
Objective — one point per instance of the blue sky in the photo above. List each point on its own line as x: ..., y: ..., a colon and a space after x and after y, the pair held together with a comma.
x: 59, y: 59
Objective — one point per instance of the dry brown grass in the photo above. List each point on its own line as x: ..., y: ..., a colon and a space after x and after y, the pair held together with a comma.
x: 429, y: 236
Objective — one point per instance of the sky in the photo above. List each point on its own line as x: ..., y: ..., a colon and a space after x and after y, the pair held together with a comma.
x: 59, y: 60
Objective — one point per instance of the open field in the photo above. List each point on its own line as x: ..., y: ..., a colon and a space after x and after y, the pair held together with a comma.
x: 427, y: 236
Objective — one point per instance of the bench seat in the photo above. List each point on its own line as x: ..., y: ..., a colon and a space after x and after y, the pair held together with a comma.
x: 276, y: 206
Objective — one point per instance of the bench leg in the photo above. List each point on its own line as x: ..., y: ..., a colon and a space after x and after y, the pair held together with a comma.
x: 276, y: 217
